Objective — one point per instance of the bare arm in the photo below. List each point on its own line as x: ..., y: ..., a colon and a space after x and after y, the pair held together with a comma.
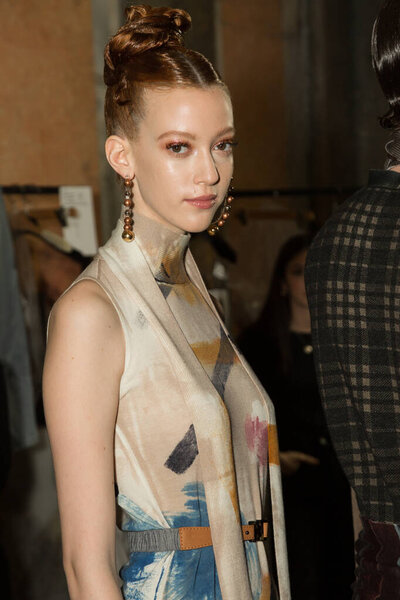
x: 83, y: 367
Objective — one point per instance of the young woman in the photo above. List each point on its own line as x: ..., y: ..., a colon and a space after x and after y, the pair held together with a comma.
x: 144, y: 391
x: 315, y: 492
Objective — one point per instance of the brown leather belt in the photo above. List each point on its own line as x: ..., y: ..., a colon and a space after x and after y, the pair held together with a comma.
x: 188, y: 538
x: 199, y: 537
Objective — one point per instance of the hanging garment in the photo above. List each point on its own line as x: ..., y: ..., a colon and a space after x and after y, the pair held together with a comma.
x: 195, y: 440
x: 32, y: 311
x: 5, y: 438
x: 14, y: 354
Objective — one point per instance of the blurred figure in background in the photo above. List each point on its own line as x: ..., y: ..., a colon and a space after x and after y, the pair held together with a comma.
x: 316, y: 494
x: 353, y: 285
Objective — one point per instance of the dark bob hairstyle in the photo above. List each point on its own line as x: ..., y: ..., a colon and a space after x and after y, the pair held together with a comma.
x: 385, y: 49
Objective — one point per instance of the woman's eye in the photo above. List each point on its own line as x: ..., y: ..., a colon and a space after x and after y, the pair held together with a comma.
x: 178, y: 148
x: 225, y: 145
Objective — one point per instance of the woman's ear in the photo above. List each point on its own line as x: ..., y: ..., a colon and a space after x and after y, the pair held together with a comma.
x: 119, y: 155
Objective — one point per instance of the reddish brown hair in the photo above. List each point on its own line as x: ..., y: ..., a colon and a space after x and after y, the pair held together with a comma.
x: 148, y: 51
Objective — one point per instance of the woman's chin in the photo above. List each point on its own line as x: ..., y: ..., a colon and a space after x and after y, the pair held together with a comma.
x: 198, y: 228
x: 199, y: 223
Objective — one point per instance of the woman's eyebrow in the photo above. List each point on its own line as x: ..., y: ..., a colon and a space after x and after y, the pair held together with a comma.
x: 224, y: 131
x: 176, y: 132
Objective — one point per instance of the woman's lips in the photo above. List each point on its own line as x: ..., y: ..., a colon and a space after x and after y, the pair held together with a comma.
x: 202, y: 201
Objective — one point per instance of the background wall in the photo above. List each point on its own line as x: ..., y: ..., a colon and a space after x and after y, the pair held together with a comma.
x: 332, y: 96
x: 252, y: 62
x: 46, y: 97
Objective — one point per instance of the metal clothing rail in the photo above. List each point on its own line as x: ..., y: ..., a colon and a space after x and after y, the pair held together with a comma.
x: 298, y: 191
x: 313, y: 191
x: 29, y: 189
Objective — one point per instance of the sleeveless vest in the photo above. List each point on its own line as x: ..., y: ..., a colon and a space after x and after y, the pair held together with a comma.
x: 163, y: 383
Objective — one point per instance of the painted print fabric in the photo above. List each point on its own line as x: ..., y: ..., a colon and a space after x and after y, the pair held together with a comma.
x: 195, y: 437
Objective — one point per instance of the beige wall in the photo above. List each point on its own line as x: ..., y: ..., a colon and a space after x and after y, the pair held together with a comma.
x: 47, y: 103
x: 251, y: 60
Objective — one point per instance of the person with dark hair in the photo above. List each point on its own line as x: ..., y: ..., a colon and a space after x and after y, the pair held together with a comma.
x: 145, y: 394
x: 353, y: 286
x: 316, y: 494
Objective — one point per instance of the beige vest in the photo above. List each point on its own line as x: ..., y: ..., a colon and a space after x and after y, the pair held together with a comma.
x: 163, y: 374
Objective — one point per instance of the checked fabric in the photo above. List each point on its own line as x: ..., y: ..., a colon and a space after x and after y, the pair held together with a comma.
x: 353, y: 287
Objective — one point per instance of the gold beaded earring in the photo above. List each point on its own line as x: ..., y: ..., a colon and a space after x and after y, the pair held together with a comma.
x: 224, y: 214
x: 128, y: 233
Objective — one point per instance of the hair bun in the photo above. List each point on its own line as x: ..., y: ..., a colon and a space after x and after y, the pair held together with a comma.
x: 148, y: 20
x: 146, y: 28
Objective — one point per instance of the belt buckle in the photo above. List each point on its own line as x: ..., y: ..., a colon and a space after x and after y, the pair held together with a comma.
x: 258, y: 530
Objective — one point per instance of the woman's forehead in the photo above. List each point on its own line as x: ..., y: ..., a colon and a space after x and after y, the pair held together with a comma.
x: 195, y: 110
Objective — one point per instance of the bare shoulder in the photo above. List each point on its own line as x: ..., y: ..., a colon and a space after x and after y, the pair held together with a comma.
x: 85, y: 307
x: 85, y: 342
x: 84, y: 323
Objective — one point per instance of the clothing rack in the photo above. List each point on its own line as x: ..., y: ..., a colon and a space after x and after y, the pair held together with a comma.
x: 221, y: 246
x: 45, y: 206
x: 305, y: 218
x: 43, y: 209
x: 29, y: 189
x: 275, y: 192
x: 298, y: 191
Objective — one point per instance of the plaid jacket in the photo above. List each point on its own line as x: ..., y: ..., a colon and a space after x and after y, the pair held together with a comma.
x: 353, y: 288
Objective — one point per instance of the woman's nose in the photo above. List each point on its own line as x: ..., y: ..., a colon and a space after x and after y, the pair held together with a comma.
x: 206, y: 170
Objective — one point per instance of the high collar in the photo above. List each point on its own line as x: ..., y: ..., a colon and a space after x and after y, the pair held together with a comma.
x: 163, y: 248
x: 384, y: 179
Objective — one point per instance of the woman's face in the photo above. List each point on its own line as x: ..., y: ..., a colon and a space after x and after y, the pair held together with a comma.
x: 182, y: 156
x: 294, y: 285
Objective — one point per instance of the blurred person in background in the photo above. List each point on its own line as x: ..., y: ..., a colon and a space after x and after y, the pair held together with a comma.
x: 353, y: 287
x: 316, y: 494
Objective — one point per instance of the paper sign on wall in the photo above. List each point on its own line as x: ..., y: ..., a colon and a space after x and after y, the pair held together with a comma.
x: 80, y: 231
